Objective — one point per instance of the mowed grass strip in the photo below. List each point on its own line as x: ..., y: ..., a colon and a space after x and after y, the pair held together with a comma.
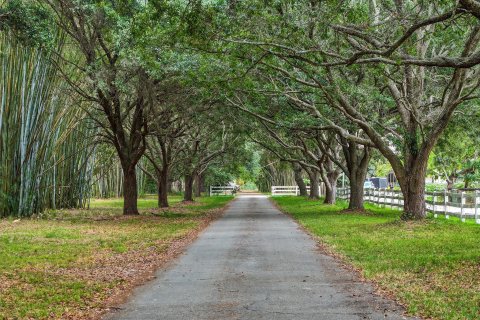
x: 67, y: 263
x: 433, y: 267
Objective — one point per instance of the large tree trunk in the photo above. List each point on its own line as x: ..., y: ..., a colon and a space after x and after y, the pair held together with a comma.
x: 330, y: 176
x: 414, y: 202
x: 162, y: 189
x: 413, y: 189
x: 198, y: 185
x: 130, y: 191
x: 356, y: 192
x: 297, y: 170
x: 357, y: 173
x: 331, y: 192
x: 188, y: 195
x: 314, y: 189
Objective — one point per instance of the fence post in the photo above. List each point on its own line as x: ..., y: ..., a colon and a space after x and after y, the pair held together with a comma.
x: 462, y: 200
x: 391, y: 199
x: 434, y: 200
x: 384, y: 197
x: 445, y: 204
x: 477, y: 220
x: 399, y: 195
x: 210, y: 193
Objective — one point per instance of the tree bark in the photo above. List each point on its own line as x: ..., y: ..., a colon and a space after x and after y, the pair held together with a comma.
x: 357, y: 164
x: 188, y: 194
x: 450, y: 181
x: 330, y: 174
x: 356, y: 192
x: 297, y: 169
x: 314, y: 190
x: 162, y: 189
x: 198, y: 185
x: 130, y: 191
x: 414, y: 203
x: 331, y: 189
x: 413, y: 189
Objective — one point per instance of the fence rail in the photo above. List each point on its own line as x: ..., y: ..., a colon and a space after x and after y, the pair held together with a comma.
x: 222, y: 190
x: 461, y: 204
x: 293, y: 190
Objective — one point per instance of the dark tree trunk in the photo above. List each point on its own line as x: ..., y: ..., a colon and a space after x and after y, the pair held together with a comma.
x: 450, y: 182
x: 356, y: 193
x: 413, y: 189
x: 331, y: 190
x: 202, y: 183
x: 162, y: 189
x: 314, y: 189
x: 414, y: 202
x: 357, y: 164
x: 130, y: 191
x: 188, y: 195
x: 198, y: 185
x: 330, y: 176
x: 297, y: 170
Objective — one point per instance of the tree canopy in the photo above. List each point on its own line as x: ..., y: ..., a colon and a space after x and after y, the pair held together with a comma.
x: 197, y: 92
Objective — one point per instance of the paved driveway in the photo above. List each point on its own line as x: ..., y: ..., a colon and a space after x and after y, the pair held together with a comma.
x: 255, y: 263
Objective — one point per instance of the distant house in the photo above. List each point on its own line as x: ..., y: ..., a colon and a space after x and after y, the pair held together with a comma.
x: 379, y: 183
x: 391, y: 179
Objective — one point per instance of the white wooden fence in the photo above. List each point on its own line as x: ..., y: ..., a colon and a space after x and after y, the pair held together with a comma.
x: 461, y: 204
x: 293, y: 190
x: 222, y: 191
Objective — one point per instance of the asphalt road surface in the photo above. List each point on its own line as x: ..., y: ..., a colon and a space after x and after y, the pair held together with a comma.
x: 255, y: 263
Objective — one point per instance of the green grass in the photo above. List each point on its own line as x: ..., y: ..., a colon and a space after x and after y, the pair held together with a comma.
x: 433, y: 267
x: 65, y: 261
x: 146, y: 202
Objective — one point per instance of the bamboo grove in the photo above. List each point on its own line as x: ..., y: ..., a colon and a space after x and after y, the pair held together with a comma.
x: 43, y: 163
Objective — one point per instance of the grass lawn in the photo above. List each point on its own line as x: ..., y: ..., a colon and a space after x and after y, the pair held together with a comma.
x: 68, y: 263
x: 146, y: 202
x: 433, y: 267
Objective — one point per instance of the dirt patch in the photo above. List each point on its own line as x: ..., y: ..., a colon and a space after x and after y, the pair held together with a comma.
x: 185, y: 203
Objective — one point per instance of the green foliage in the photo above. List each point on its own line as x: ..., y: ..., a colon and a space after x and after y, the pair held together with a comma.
x: 379, y: 166
x: 456, y: 155
x: 217, y: 176
x: 31, y: 23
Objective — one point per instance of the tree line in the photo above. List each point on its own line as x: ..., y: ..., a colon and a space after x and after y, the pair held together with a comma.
x: 337, y: 81
x: 322, y: 85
